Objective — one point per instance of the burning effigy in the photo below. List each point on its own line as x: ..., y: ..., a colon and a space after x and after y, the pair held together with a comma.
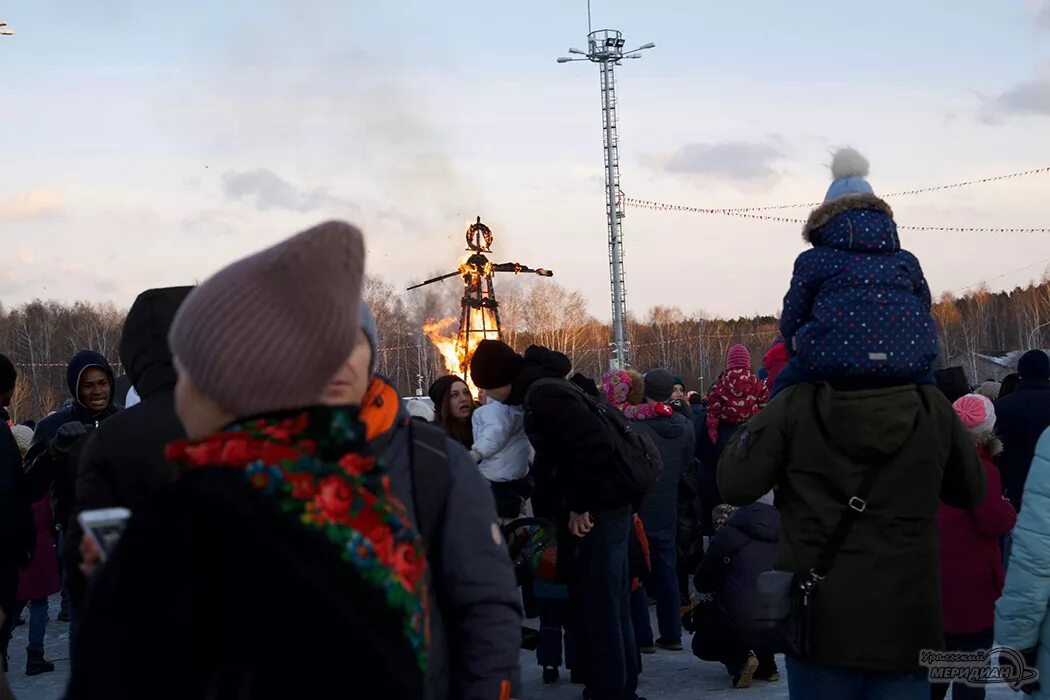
x: 479, y: 310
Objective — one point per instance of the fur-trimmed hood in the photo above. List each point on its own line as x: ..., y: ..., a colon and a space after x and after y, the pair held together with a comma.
x: 858, y: 222
x: 992, y: 444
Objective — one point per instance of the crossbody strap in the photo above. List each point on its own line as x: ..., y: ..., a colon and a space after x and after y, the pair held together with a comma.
x: 854, y: 507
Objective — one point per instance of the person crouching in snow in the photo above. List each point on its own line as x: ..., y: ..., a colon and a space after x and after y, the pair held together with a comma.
x: 859, y: 306
x: 503, y: 453
x: 737, y: 396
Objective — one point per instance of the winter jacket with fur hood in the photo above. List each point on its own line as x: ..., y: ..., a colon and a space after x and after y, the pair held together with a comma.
x: 971, y: 560
x: 858, y: 305
x: 815, y: 444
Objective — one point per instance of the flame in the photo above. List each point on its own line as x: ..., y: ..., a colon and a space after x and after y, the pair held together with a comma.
x: 456, y: 350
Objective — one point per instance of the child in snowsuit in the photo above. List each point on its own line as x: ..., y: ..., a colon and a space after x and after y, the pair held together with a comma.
x: 737, y: 396
x: 859, y: 306
x: 503, y: 453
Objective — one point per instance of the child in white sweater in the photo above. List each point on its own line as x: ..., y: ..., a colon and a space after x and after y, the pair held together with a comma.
x: 503, y: 454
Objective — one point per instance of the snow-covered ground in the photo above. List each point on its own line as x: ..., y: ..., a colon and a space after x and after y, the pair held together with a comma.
x: 666, y: 676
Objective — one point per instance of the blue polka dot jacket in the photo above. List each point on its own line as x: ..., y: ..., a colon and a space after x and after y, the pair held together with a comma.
x: 858, y: 305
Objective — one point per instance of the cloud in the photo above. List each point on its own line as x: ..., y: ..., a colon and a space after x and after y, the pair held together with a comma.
x: 1042, y: 12
x: 270, y: 191
x: 1031, y: 97
x: 33, y: 205
x: 742, y: 161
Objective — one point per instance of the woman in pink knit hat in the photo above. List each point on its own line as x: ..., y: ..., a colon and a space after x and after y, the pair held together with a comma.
x: 971, y: 562
x: 737, y: 396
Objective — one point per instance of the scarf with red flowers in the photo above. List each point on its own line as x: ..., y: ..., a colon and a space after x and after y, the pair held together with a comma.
x: 317, y: 467
x: 736, y: 398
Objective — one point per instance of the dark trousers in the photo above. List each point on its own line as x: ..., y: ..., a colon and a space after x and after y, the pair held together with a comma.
x: 609, y: 655
x: 554, y: 620
x: 717, y: 639
x: 8, y: 592
x: 663, y: 585
x: 807, y: 681
x: 963, y: 642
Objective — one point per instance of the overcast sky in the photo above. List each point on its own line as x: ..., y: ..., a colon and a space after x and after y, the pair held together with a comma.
x: 146, y: 144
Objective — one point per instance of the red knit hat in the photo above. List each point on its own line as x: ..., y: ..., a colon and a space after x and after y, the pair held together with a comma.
x: 739, y: 357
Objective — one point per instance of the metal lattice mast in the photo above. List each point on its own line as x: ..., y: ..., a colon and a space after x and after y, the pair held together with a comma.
x: 605, y: 47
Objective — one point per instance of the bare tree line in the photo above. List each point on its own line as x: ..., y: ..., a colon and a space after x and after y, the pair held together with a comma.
x: 40, y: 337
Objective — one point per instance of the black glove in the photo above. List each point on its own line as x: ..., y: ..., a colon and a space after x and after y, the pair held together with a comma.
x: 68, y: 434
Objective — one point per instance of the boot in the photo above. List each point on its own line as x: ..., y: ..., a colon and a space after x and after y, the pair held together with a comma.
x: 37, y: 664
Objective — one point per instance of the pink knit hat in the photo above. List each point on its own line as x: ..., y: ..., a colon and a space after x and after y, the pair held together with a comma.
x: 976, y: 412
x: 739, y: 357
x: 268, y: 332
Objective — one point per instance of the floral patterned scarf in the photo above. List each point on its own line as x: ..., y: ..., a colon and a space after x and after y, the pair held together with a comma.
x: 316, y: 466
x: 616, y: 385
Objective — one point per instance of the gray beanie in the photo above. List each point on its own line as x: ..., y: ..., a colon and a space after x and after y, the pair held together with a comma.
x: 368, y: 325
x: 268, y: 332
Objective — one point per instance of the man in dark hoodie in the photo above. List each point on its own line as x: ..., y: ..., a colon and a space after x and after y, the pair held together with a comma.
x: 1022, y: 418
x: 475, y: 630
x: 17, y: 534
x: 122, y: 462
x: 673, y: 435
x: 53, y: 456
x: 572, y: 467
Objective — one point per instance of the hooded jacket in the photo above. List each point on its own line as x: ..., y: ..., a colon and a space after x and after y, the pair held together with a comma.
x: 815, y: 444
x: 1022, y: 614
x: 46, y: 466
x: 476, y: 624
x: 573, y: 450
x: 123, y: 462
x: 674, y: 438
x: 971, y: 559
x: 736, y: 555
x: 858, y: 304
x: 1021, y: 419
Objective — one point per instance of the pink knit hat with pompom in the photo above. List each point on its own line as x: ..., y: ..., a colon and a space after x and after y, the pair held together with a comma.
x: 976, y: 412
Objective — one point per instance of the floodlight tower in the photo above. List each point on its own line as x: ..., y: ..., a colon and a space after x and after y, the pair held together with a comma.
x: 605, y: 47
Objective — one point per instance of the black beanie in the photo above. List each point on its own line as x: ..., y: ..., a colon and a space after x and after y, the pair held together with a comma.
x: 8, y: 374
x: 659, y: 385
x: 1034, y: 364
x: 494, y: 364
x: 439, y: 388
x: 585, y: 383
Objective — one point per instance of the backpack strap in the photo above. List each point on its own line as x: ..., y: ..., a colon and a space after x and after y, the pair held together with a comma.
x: 431, y: 480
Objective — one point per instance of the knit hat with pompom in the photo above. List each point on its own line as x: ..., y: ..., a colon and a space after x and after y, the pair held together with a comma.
x: 848, y: 170
x: 977, y: 414
x: 738, y: 357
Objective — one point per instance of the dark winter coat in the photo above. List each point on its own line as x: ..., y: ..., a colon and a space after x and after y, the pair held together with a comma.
x: 674, y: 438
x: 707, y: 456
x: 476, y: 625
x: 815, y: 444
x: 690, y: 540
x: 1021, y: 419
x: 573, y: 450
x: 220, y: 588
x: 17, y: 532
x: 45, y: 466
x: 39, y: 578
x: 972, y: 573
x: 858, y: 304
x: 736, y: 555
x: 122, y: 463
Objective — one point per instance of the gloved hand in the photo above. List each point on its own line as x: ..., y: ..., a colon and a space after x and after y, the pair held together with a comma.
x: 67, y: 435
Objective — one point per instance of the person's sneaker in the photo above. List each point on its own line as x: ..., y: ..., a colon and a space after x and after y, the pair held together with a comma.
x: 530, y: 639
x: 63, y: 616
x: 746, y: 675
x: 767, y: 670
x: 669, y: 644
x: 647, y: 649
x: 20, y: 621
x: 550, y: 674
x: 37, y: 664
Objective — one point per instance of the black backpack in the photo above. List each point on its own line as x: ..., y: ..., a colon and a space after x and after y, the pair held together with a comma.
x: 637, y: 464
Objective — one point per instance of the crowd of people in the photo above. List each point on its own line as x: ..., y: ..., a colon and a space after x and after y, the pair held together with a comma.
x: 296, y: 527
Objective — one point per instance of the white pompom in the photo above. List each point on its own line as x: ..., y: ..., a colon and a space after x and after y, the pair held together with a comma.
x: 848, y: 162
